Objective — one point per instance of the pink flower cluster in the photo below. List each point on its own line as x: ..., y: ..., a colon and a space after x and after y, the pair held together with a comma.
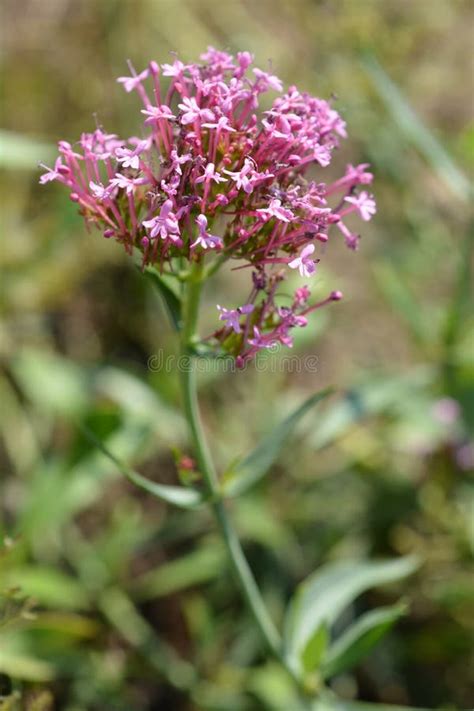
x: 211, y: 178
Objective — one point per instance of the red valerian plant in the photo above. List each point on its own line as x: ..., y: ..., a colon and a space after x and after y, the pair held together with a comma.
x: 211, y: 179
x: 208, y: 175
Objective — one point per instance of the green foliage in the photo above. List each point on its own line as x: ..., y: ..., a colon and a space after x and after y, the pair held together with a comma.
x: 170, y: 298
x: 176, y: 495
x: 314, y: 649
x: 256, y: 464
x: 319, y: 601
x: 358, y: 640
x: 408, y: 122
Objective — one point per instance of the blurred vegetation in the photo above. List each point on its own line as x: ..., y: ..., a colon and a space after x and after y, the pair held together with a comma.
x: 111, y: 600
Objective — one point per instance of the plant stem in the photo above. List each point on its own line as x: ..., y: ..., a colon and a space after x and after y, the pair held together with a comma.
x: 206, y: 466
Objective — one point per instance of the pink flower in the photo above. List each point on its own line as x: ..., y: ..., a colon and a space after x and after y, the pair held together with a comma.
x: 192, y: 111
x: 177, y: 161
x: 98, y: 190
x: 244, y: 60
x: 165, y: 224
x: 210, y: 174
x: 171, y: 187
x: 128, y: 184
x: 364, y: 204
x: 218, y: 60
x: 260, y: 341
x: 174, y: 70
x: 358, y: 174
x: 276, y: 210
x: 222, y: 124
x: 232, y: 316
x: 204, y: 238
x: 302, y: 295
x: 209, y: 157
x: 278, y: 126
x: 67, y: 151
x: 155, y: 113
x: 268, y: 80
x: 131, y: 83
x: 128, y: 158
x: 247, y: 177
x: 322, y: 154
x: 304, y: 263
x: 446, y: 410
x: 56, y: 173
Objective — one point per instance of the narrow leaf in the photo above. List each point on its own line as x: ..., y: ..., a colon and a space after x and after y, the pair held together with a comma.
x: 52, y: 383
x: 254, y: 467
x: 122, y: 613
x: 169, y: 296
x: 50, y: 587
x: 398, y: 294
x: 457, y: 311
x: 315, y: 649
x: 177, y: 495
x: 23, y: 666
x: 194, y: 568
x: 359, y: 639
x: 366, y: 399
x: 325, y: 594
x: 414, y: 129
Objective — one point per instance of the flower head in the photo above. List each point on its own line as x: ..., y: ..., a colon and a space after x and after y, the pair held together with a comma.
x: 210, y: 177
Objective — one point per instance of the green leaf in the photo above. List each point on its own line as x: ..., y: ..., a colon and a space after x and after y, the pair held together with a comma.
x: 398, y: 295
x: 23, y: 666
x: 78, y: 486
x: 169, y: 296
x: 371, y: 397
x: 322, y: 597
x: 359, y: 639
x: 315, y: 649
x: 195, y: 568
x: 254, y: 467
x: 409, y: 124
x: 460, y: 305
x: 53, y: 383
x: 176, y: 495
x: 50, y: 587
x: 274, y: 689
x: 140, y: 402
x: 121, y: 612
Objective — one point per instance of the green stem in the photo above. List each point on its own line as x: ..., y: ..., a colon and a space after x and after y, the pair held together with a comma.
x: 206, y: 466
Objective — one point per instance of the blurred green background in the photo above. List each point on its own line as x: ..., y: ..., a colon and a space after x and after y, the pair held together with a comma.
x: 111, y: 600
